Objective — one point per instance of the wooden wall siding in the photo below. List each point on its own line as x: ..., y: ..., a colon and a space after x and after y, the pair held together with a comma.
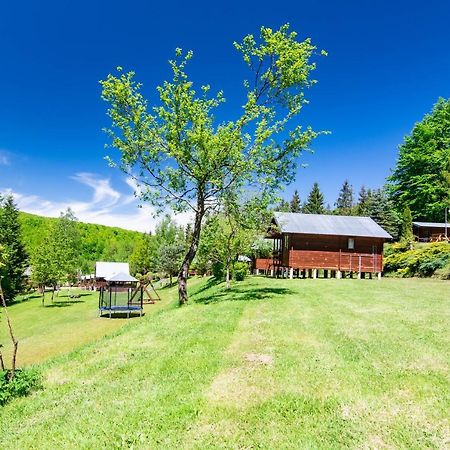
x: 354, y: 262
x: 302, y: 251
x: 307, y: 259
x: 335, y: 243
x: 263, y: 263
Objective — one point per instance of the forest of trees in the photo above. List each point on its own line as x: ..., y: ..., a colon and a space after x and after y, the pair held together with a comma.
x: 97, y: 242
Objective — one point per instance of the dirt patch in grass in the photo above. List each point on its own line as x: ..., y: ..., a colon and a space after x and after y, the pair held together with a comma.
x: 258, y: 358
x: 238, y: 387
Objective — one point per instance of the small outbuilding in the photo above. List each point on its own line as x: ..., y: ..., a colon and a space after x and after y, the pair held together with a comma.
x: 431, y: 231
x: 303, y: 244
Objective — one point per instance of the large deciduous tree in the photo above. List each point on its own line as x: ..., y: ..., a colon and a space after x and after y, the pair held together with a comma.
x: 181, y: 157
x: 56, y: 260
x: 420, y: 179
x: 232, y: 231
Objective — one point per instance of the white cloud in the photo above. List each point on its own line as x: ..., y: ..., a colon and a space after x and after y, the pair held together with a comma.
x: 5, y: 158
x: 107, y: 206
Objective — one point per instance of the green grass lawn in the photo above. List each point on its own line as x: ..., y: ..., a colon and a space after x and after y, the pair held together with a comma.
x: 269, y: 364
x: 57, y: 327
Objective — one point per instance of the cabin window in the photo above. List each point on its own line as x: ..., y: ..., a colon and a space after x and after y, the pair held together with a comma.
x: 286, y: 241
x: 351, y: 244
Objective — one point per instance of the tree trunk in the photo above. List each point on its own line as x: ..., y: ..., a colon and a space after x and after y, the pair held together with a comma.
x: 228, y: 276
x: 14, y: 341
x: 190, y: 255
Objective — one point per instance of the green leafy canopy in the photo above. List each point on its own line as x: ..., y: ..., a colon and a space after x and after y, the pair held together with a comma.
x: 178, y: 154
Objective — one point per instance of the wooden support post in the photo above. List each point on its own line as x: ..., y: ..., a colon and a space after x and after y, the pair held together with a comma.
x: 359, y: 275
x: 379, y: 275
x: 257, y: 271
x: 314, y: 273
x: 338, y: 274
x: 291, y: 273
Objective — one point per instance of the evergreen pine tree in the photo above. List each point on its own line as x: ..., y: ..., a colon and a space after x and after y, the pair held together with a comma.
x: 381, y: 210
x: 315, y: 204
x: 12, y: 272
x: 362, y: 207
x: 295, y: 205
x: 344, y: 203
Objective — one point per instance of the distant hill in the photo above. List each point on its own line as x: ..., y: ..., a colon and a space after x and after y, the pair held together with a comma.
x: 99, y: 242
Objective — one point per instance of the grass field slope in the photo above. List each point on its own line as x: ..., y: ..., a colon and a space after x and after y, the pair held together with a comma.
x: 268, y: 364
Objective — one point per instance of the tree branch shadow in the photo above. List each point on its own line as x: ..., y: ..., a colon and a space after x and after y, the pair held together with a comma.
x: 237, y: 293
x: 63, y: 304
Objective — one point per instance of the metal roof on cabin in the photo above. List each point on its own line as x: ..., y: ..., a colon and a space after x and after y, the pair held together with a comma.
x: 430, y: 224
x: 329, y: 225
x: 109, y: 269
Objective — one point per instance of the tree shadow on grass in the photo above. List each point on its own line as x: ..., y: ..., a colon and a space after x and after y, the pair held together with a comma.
x: 121, y: 315
x: 64, y: 304
x: 237, y: 293
x: 211, y: 282
x: 78, y: 294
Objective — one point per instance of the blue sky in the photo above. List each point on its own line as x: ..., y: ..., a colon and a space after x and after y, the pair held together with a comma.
x: 387, y: 64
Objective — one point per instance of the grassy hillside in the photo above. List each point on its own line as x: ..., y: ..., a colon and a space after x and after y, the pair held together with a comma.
x: 269, y: 364
x: 99, y: 242
x: 58, y: 327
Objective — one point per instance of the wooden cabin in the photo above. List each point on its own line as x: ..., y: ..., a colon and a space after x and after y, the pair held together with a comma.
x: 303, y: 244
x: 430, y: 231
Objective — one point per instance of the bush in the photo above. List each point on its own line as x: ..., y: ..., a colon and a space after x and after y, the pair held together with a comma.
x: 21, y: 385
x: 443, y: 273
x: 423, y: 261
x: 218, y: 271
x: 240, y: 271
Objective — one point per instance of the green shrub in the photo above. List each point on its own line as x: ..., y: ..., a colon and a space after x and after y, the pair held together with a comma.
x: 444, y: 272
x: 218, y: 270
x: 421, y: 261
x: 240, y: 271
x: 21, y: 385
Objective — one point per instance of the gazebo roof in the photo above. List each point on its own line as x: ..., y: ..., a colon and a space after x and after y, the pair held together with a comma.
x: 122, y: 278
x: 104, y: 269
